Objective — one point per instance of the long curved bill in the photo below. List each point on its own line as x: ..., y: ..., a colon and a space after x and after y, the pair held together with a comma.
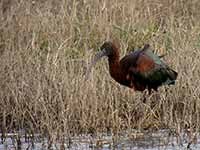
x: 96, y: 58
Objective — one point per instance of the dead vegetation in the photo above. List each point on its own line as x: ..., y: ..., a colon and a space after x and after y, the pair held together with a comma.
x: 44, y: 49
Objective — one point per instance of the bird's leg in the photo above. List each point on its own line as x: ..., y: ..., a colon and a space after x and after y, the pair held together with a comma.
x: 146, y: 93
x: 149, y: 91
x: 144, y: 97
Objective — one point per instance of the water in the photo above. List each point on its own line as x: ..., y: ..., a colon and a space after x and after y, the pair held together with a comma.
x: 128, y: 140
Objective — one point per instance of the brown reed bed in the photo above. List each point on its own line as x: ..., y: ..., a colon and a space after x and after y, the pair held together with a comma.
x: 44, y: 50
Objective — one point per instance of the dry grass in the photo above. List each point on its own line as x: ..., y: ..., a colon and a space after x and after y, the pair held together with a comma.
x: 44, y: 49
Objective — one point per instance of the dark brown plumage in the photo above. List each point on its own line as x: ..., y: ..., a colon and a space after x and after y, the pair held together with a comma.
x: 139, y: 70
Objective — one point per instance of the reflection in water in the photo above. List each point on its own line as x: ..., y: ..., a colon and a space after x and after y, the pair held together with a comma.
x: 134, y: 140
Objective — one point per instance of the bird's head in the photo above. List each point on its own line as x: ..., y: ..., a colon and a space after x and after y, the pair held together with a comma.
x: 107, y: 49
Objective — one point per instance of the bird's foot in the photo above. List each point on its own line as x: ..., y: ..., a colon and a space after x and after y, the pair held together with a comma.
x: 144, y: 99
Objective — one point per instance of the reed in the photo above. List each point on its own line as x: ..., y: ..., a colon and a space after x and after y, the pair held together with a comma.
x: 44, y: 50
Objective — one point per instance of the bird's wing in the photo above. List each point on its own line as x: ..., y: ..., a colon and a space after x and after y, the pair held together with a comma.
x: 130, y: 60
x: 142, y: 60
x: 146, y: 67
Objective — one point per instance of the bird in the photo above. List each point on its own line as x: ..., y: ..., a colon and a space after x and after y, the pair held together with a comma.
x: 139, y: 70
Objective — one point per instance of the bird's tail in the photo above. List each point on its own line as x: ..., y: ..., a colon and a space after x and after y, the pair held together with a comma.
x: 172, y: 76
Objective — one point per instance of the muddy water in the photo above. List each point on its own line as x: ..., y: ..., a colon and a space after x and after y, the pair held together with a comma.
x: 130, y: 140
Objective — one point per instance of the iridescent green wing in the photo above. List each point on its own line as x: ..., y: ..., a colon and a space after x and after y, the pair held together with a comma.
x: 151, y: 70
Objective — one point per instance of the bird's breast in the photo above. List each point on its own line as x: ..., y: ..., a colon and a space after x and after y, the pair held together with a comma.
x: 118, y: 73
x: 121, y: 78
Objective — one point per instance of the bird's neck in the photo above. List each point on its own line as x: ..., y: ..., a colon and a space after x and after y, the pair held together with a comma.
x: 114, y: 59
x: 114, y: 66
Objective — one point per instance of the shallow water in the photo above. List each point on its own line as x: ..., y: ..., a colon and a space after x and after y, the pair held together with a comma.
x: 130, y: 140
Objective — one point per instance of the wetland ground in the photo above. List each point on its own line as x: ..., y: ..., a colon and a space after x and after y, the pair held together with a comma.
x: 45, y: 47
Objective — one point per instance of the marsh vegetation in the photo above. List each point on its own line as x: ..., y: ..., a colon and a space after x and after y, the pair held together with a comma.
x: 45, y: 47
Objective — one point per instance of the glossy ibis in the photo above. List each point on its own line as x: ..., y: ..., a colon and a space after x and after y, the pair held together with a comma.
x: 139, y: 70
